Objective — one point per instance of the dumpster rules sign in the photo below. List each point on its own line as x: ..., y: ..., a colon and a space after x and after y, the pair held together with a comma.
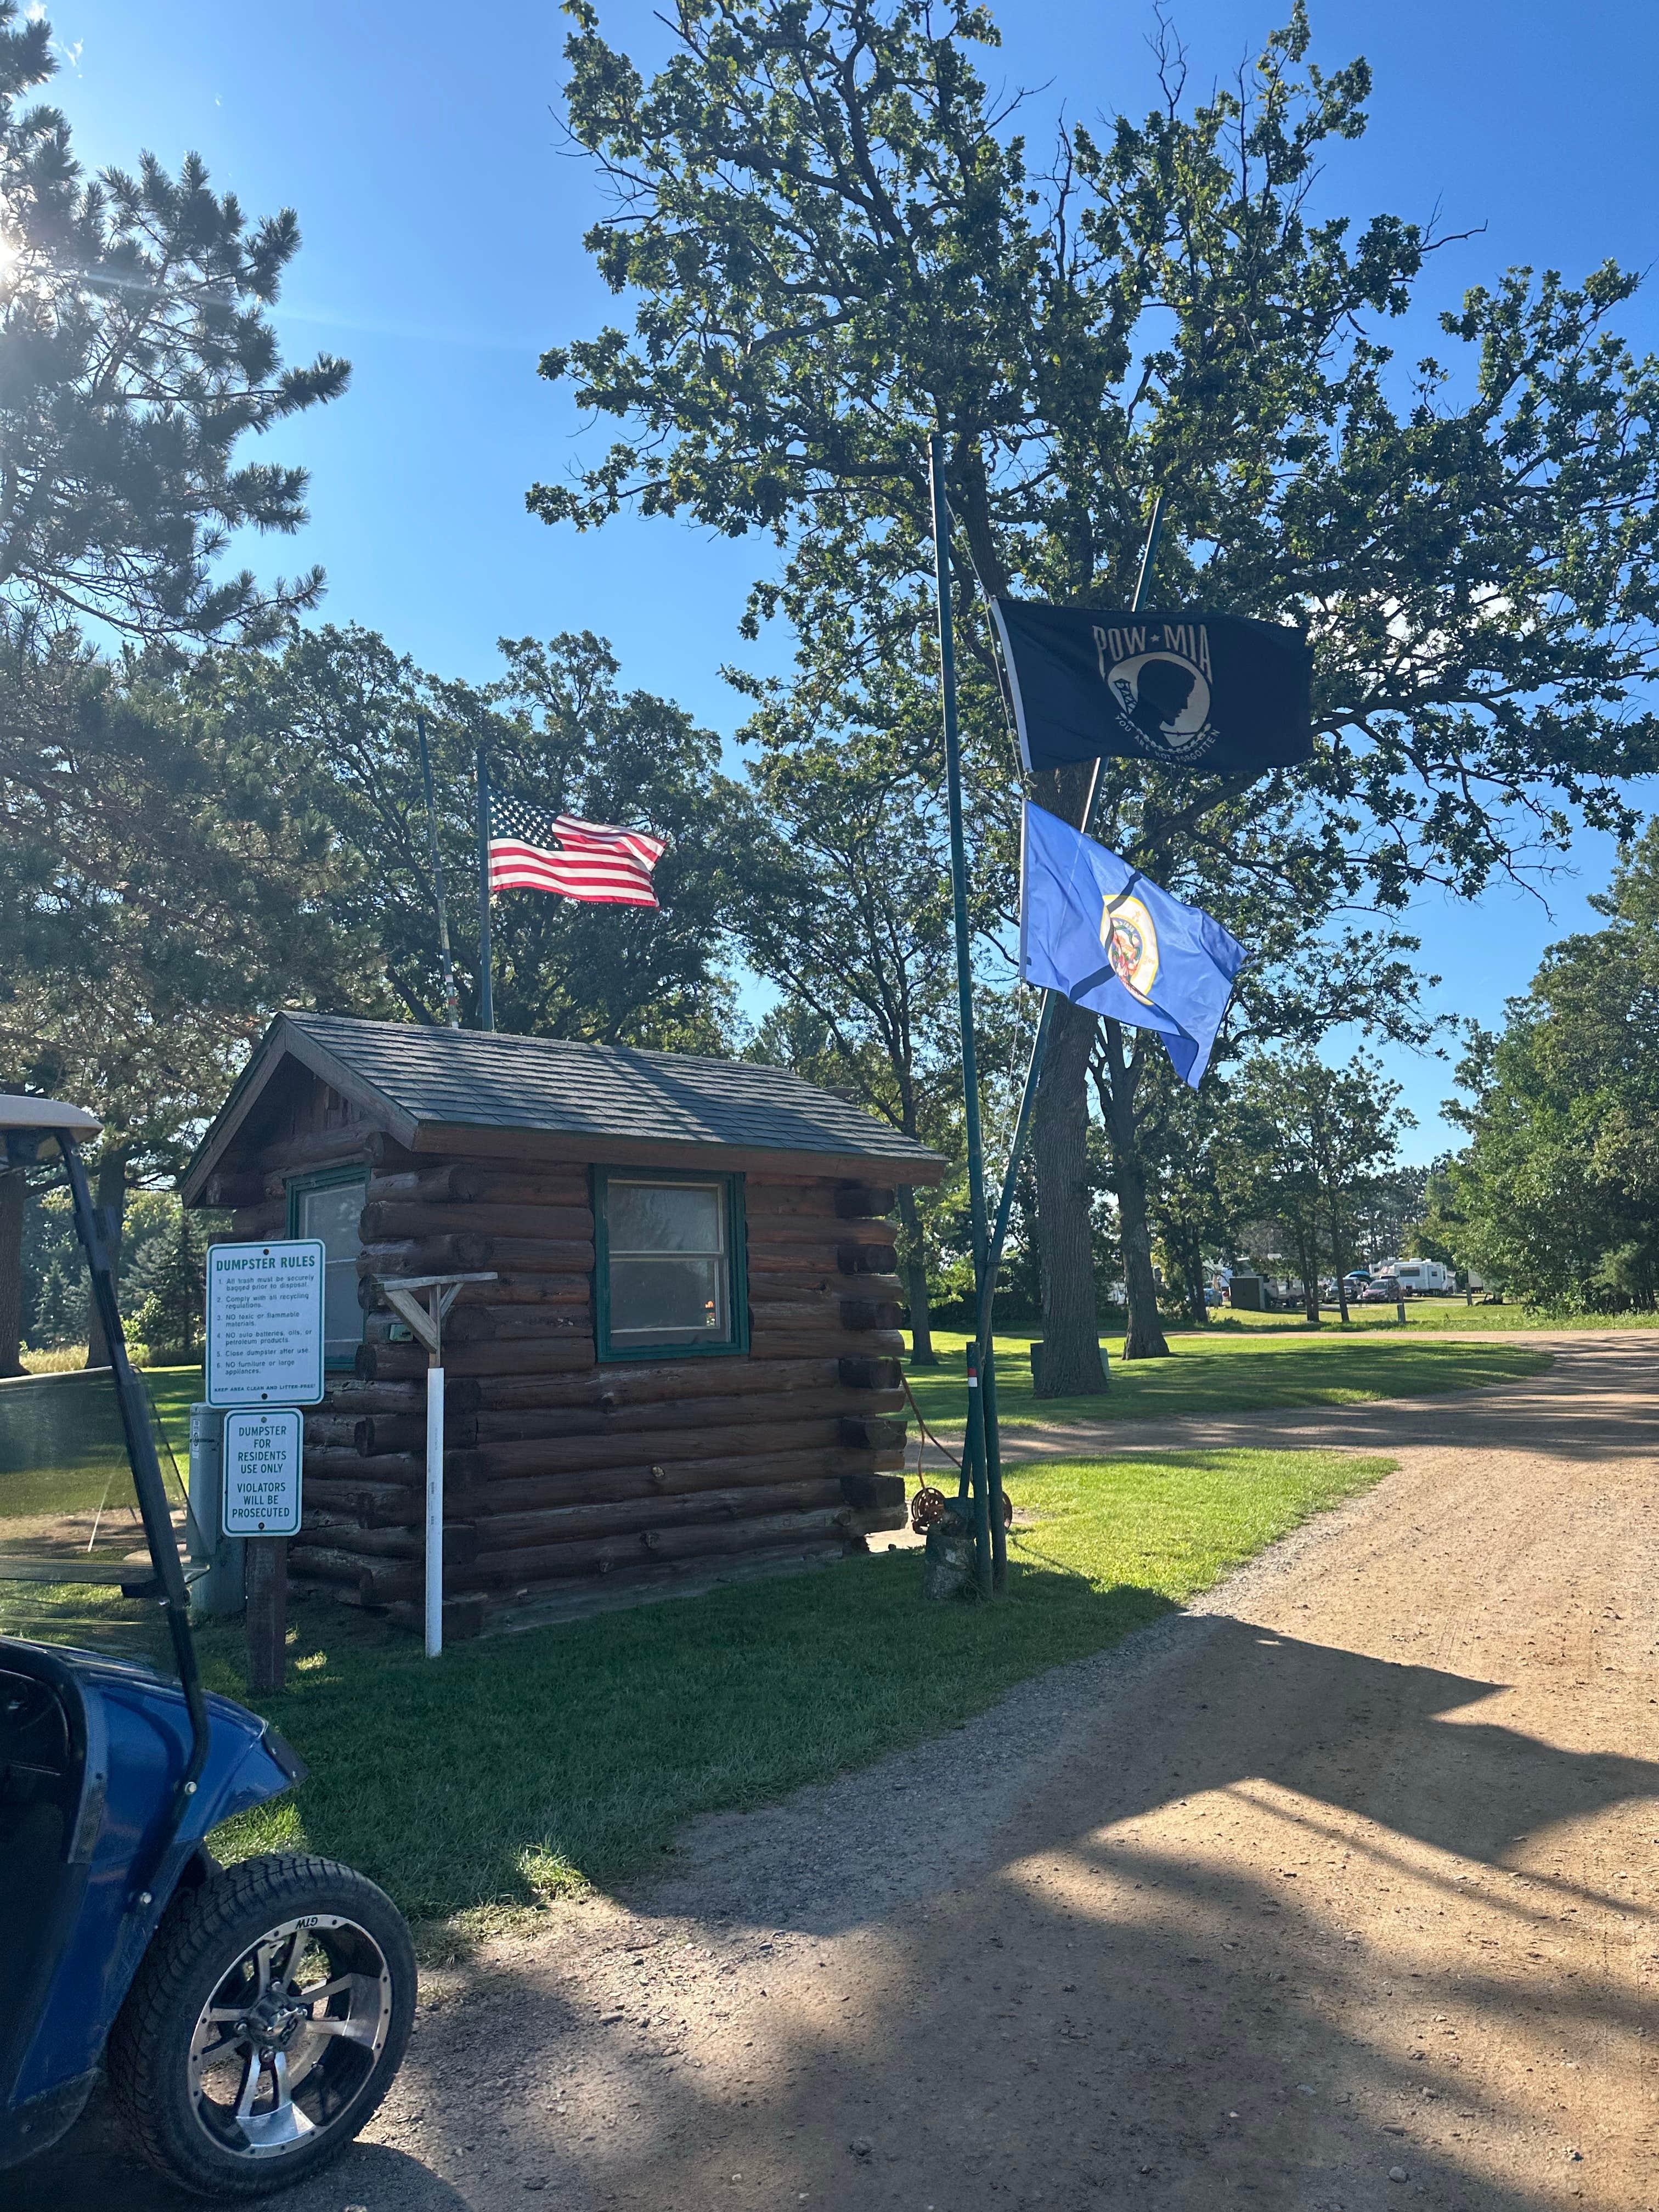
x: 264, y: 1323
x: 262, y: 1473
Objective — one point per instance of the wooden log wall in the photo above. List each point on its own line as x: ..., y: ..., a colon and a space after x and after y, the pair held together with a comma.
x: 557, y: 1470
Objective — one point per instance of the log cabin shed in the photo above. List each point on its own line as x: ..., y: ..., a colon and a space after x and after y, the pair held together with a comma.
x: 688, y: 1356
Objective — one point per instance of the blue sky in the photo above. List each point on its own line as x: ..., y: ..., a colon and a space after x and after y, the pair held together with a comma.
x: 443, y: 218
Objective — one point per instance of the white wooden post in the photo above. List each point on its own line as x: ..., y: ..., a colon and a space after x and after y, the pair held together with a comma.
x: 435, y: 1509
x: 426, y: 1323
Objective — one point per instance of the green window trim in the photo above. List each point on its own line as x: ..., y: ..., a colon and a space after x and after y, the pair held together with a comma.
x: 735, y: 1344
x: 297, y: 1187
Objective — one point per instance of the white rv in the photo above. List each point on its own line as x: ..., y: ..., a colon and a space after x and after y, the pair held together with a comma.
x: 1419, y: 1279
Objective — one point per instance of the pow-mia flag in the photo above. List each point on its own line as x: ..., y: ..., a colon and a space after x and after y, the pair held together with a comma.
x: 1218, y: 692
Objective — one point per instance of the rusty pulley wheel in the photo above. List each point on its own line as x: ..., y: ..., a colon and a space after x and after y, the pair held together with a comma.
x: 926, y: 1508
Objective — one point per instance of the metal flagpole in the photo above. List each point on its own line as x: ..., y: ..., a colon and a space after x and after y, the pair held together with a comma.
x: 486, y: 988
x: 975, y: 1458
x: 1046, y: 1019
x: 452, y: 1003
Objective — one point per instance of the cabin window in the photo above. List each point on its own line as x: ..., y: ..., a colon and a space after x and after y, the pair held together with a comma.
x: 326, y: 1205
x: 668, y: 1265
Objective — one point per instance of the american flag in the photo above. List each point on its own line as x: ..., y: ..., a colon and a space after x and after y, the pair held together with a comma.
x: 588, y: 861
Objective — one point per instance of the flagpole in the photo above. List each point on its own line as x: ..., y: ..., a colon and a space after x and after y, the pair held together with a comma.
x: 486, y: 991
x: 452, y: 1003
x: 975, y: 1459
x: 1046, y: 1019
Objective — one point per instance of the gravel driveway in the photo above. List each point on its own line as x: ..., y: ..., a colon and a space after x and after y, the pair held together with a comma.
x: 1335, y: 1890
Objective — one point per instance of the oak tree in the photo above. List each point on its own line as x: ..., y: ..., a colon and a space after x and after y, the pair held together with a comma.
x: 835, y: 241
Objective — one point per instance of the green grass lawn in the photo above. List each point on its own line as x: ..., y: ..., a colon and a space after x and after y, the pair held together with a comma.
x: 1231, y: 1370
x: 62, y: 1446
x: 520, y: 1767
x: 173, y: 1392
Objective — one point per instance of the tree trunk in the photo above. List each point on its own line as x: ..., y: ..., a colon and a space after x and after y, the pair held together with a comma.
x: 1339, y: 1254
x: 1066, y: 1262
x: 109, y: 1195
x: 915, y: 1275
x: 1060, y: 1160
x: 1307, y: 1260
x: 1192, y: 1266
x: 12, y: 1194
x: 1145, y: 1339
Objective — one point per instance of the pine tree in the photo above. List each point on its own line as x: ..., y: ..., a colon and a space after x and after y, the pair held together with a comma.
x: 137, y: 355
x: 169, y: 1323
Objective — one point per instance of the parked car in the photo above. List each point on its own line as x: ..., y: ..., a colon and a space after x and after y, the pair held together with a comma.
x: 1382, y: 1290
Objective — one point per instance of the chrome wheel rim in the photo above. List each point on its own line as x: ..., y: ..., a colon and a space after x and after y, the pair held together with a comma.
x: 287, y: 2042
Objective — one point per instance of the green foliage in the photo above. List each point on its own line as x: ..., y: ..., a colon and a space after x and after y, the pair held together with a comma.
x: 135, y: 353
x: 167, y: 1321
x: 847, y: 909
x: 161, y: 894
x: 833, y: 243
x: 56, y: 1299
x: 335, y: 715
x: 1439, y: 1231
x: 153, y: 912
x: 1558, y: 1189
x: 1312, y: 1141
x: 55, y: 1296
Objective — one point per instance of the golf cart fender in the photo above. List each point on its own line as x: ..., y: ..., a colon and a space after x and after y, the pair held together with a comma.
x: 137, y: 1867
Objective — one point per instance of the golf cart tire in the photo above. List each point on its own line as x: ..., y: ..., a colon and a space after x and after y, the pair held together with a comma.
x: 206, y: 1932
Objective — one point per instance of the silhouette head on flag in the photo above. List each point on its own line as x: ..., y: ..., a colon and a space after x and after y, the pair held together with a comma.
x: 1093, y: 928
x: 1215, y: 692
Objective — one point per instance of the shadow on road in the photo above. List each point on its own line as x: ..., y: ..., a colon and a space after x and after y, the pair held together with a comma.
x: 95, y: 2170
x: 1108, y: 2013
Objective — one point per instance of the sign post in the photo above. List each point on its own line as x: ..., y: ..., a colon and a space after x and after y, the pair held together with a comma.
x: 405, y: 1294
x: 263, y: 1361
x: 260, y: 1503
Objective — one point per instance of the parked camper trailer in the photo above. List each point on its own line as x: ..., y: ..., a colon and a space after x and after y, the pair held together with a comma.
x: 1419, y: 1279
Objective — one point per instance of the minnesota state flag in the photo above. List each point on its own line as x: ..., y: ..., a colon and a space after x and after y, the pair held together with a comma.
x: 1093, y: 928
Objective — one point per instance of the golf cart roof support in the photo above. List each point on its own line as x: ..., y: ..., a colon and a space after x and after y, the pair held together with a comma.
x: 146, y: 1476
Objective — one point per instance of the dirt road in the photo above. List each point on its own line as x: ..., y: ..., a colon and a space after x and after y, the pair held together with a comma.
x: 1337, y: 1893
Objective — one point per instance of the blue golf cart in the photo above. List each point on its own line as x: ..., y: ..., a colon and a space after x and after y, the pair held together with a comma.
x: 249, y: 2017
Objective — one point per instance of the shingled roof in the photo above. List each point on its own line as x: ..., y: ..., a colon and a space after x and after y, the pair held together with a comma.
x: 431, y: 1088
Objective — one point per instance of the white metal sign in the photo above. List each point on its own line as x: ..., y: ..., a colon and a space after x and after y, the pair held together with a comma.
x: 264, y: 1323
x: 262, y: 1473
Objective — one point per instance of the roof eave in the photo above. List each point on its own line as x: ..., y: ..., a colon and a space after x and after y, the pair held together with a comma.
x: 286, y: 1040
